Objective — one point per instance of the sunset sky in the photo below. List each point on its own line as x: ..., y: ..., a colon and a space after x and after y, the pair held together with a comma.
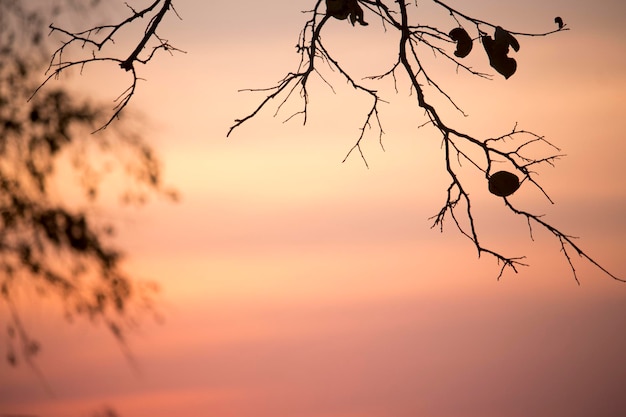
x: 295, y: 285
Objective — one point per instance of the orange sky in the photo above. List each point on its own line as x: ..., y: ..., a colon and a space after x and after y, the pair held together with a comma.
x: 295, y: 285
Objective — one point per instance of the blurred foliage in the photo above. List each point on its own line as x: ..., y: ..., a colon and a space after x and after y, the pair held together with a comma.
x: 106, y: 411
x: 49, y: 242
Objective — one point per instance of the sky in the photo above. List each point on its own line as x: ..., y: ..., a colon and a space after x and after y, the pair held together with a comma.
x: 297, y: 285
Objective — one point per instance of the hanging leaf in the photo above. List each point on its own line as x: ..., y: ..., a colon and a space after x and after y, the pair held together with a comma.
x: 504, y: 39
x: 342, y: 9
x: 498, y: 58
x: 559, y: 22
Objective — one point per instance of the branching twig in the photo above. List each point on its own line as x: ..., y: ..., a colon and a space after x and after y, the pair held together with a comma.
x: 96, y: 38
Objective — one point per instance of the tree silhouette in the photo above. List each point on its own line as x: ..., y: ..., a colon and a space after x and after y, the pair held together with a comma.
x: 53, y: 245
x: 514, y: 150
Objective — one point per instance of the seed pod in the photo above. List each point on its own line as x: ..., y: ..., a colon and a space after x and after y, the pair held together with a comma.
x: 503, y: 183
x: 464, y: 42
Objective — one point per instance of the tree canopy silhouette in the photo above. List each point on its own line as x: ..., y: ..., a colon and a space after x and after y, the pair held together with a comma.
x: 50, y: 244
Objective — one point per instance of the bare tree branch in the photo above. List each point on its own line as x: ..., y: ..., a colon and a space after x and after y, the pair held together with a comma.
x: 483, y: 154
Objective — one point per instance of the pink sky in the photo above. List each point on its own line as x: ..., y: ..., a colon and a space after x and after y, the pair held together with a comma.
x: 295, y: 285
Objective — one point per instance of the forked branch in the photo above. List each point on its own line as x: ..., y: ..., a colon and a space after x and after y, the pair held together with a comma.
x: 93, y: 40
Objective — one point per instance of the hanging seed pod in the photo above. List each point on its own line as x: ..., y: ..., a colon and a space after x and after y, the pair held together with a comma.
x: 463, y: 40
x: 503, y: 183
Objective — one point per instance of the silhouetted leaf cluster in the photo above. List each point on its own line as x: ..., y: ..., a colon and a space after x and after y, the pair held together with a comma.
x: 497, y: 48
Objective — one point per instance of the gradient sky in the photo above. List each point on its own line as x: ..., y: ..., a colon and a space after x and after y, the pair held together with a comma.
x: 295, y: 285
